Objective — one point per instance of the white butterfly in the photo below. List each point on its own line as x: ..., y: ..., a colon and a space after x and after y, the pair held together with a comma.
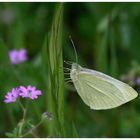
x: 98, y: 90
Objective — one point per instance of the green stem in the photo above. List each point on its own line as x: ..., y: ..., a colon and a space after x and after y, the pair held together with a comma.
x: 16, y: 73
x: 32, y: 129
x: 21, y: 105
x: 23, y: 120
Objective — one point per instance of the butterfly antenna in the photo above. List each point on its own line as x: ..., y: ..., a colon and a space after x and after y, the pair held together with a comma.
x: 74, y: 48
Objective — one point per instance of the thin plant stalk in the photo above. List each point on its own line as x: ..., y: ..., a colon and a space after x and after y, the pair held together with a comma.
x: 21, y: 123
x: 55, y: 64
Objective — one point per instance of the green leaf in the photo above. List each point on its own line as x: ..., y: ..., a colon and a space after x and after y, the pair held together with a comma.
x: 13, y: 134
x: 4, y: 54
x: 74, y: 131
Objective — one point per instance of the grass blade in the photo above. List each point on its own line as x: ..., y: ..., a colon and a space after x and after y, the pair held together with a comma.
x: 55, y: 69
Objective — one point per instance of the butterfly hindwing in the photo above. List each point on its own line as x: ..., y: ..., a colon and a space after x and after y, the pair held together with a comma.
x: 100, y: 91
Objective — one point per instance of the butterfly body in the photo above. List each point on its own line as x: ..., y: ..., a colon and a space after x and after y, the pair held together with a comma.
x: 98, y: 90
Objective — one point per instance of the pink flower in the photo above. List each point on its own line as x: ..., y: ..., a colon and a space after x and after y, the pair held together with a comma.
x: 12, y: 96
x: 30, y: 92
x: 22, y: 55
x: 14, y: 56
x: 138, y: 81
x: 18, y: 56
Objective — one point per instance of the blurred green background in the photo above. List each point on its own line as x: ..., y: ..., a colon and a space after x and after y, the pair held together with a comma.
x: 107, y: 38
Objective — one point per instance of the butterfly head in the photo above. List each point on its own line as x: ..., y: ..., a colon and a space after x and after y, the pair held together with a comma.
x: 75, y: 69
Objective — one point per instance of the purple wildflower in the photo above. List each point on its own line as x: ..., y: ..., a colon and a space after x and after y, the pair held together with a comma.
x: 47, y: 115
x: 30, y: 92
x: 13, y: 56
x: 138, y: 81
x: 18, y: 56
x: 22, y: 55
x: 12, y: 96
x: 7, y: 15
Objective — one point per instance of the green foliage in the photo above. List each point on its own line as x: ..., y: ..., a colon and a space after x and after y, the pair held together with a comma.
x: 14, y: 134
x: 4, y: 54
x: 106, y: 36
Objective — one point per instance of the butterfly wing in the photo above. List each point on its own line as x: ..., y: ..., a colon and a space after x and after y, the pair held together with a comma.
x: 100, y: 91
